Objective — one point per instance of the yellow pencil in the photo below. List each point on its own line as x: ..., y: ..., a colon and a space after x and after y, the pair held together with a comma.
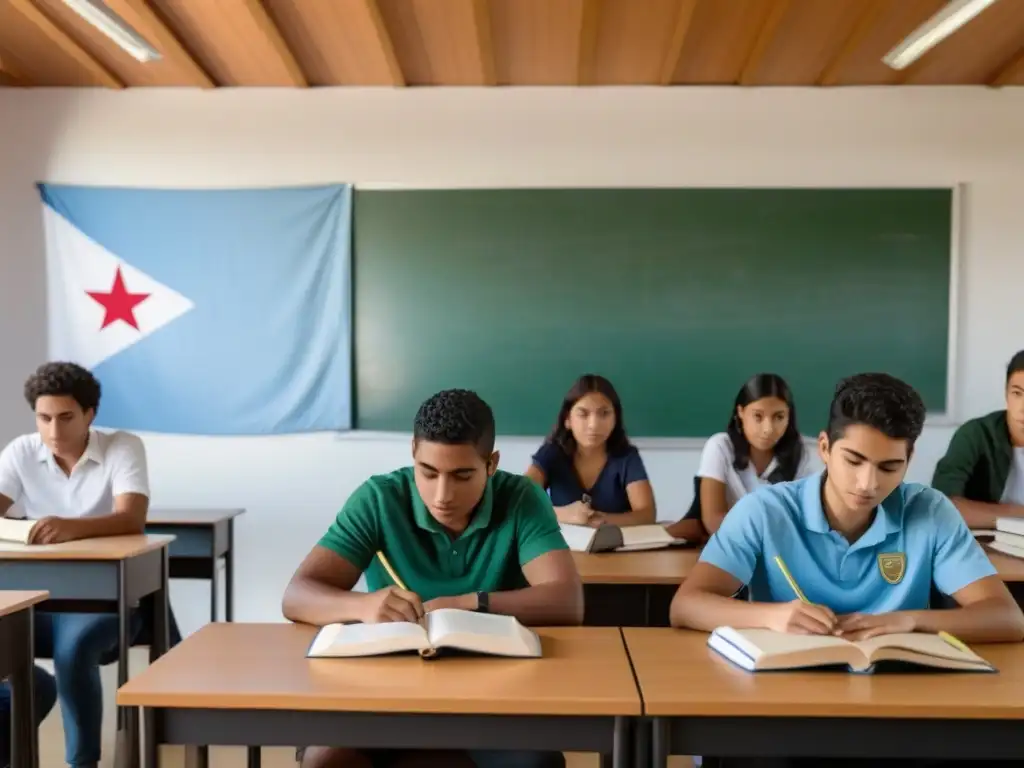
x: 954, y: 641
x: 792, y: 582
x: 391, y: 572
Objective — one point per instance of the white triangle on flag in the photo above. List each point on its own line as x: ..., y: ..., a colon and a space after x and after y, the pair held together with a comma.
x: 77, y: 265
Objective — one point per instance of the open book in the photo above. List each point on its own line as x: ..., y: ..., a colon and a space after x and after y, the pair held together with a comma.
x: 608, y: 538
x: 12, y: 529
x: 446, y: 628
x: 763, y: 649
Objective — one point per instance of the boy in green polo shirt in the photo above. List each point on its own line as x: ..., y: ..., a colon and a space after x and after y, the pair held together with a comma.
x: 460, y: 533
x: 983, y: 469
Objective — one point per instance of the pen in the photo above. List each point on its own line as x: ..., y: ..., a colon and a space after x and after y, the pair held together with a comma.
x: 792, y: 582
x: 955, y: 642
x: 391, y: 571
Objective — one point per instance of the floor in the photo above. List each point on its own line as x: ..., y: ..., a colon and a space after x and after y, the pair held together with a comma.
x: 51, y: 739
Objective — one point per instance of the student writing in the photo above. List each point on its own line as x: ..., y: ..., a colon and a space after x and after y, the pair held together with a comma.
x: 460, y: 533
x: 761, y: 445
x: 594, y: 474
x: 864, y: 545
x: 983, y: 469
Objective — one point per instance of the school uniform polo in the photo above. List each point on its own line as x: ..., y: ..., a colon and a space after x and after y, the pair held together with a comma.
x: 114, y: 463
x: 608, y: 493
x: 981, y: 463
x: 513, y: 524
x: 917, y: 537
x: 716, y: 463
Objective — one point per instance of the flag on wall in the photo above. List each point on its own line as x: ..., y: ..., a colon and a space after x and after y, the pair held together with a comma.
x: 211, y: 312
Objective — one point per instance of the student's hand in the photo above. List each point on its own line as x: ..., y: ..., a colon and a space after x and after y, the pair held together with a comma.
x: 392, y: 604
x: 461, y: 602
x: 52, y: 530
x: 800, y: 618
x: 576, y: 513
x: 597, y: 519
x: 861, y: 626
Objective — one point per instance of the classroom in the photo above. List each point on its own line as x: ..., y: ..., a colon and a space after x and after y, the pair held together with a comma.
x: 728, y: 104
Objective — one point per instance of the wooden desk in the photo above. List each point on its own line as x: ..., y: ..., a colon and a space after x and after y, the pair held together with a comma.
x: 109, y: 574
x: 632, y: 589
x: 17, y: 662
x: 703, y: 705
x: 250, y: 684
x: 202, y: 537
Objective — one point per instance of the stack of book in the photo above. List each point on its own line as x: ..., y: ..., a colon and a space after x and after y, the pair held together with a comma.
x: 1009, y: 537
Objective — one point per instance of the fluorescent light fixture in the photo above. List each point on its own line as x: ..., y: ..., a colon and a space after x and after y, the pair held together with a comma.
x: 940, y: 26
x: 113, y: 26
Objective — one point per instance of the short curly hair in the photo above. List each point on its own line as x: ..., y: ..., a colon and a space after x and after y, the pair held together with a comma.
x: 63, y: 380
x: 877, y: 400
x: 456, y: 417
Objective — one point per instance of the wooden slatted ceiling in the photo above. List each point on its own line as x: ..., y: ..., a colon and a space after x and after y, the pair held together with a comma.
x: 295, y: 43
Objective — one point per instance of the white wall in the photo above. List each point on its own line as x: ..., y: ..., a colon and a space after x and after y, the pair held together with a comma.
x: 497, y: 137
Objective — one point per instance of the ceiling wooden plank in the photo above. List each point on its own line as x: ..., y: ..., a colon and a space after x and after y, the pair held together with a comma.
x: 1010, y: 72
x: 234, y: 41
x: 99, y: 74
x: 972, y: 53
x: 633, y: 41
x: 769, y: 27
x: 481, y: 14
x: 833, y: 70
x: 538, y: 42
x: 142, y: 18
x: 338, y: 42
x: 10, y: 75
x: 684, y: 19
x: 590, y: 26
x: 722, y: 32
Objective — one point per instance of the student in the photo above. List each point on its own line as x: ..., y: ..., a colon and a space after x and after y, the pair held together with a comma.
x: 461, y: 534
x: 594, y: 474
x: 761, y: 446
x: 983, y: 469
x: 831, y: 529
x: 79, y: 484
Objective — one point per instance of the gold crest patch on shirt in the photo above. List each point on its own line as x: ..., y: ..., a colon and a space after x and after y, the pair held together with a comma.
x: 893, y: 565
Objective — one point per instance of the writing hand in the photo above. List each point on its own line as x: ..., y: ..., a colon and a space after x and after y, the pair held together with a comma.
x: 862, y: 626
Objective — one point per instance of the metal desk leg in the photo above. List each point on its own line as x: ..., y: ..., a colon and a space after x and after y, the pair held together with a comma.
x: 127, y: 743
x: 229, y: 574
x: 621, y: 746
x: 659, y: 743
x: 253, y: 757
x: 160, y: 645
x: 214, y: 588
x: 24, y: 734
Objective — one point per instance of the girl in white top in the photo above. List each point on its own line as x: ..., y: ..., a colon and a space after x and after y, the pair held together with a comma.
x: 760, y: 446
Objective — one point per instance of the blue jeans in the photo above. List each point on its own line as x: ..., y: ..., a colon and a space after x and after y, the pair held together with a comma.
x: 45, y: 689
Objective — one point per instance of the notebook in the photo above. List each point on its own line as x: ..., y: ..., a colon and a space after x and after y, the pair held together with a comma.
x: 15, y: 530
x: 612, y: 538
x: 444, y: 629
x: 757, y: 650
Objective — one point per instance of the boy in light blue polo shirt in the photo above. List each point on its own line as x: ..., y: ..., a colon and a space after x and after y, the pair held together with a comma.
x: 864, y: 546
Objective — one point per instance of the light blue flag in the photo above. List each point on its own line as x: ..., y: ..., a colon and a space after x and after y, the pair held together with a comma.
x: 210, y: 312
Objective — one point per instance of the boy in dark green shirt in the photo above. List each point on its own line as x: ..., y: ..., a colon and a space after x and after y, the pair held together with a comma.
x: 460, y: 533
x: 983, y: 469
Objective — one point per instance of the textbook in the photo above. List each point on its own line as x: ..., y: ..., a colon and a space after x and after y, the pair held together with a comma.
x: 612, y: 538
x: 13, y: 529
x: 757, y: 650
x: 444, y: 629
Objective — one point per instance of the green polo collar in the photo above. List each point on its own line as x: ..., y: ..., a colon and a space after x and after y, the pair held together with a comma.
x: 480, y: 520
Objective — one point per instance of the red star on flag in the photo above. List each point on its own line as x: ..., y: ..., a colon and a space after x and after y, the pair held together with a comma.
x: 118, y: 303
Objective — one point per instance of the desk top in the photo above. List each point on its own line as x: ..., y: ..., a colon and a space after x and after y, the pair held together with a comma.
x: 679, y: 675
x: 655, y: 566
x: 584, y: 671
x: 672, y: 566
x: 12, y: 602
x: 106, y: 548
x: 191, y: 516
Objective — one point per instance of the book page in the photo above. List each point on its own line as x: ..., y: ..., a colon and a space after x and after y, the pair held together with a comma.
x: 14, y: 530
x: 577, y: 537
x: 645, y: 537
x: 340, y: 640
x: 481, y: 632
x: 779, y: 650
x: 918, y: 643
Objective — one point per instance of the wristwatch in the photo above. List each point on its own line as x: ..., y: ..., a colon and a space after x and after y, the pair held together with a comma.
x: 483, y: 603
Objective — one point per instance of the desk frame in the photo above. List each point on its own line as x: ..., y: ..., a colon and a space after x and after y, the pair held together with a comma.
x: 196, y: 728
x: 834, y: 737
x: 219, y: 538
x: 85, y: 586
x: 17, y: 664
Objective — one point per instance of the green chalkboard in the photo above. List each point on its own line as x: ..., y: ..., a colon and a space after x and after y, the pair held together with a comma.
x: 676, y: 295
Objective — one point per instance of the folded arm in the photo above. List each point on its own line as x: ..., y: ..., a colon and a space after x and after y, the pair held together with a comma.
x: 705, y: 601
x: 641, y: 505
x: 320, y: 591
x: 554, y: 595
x: 128, y: 518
